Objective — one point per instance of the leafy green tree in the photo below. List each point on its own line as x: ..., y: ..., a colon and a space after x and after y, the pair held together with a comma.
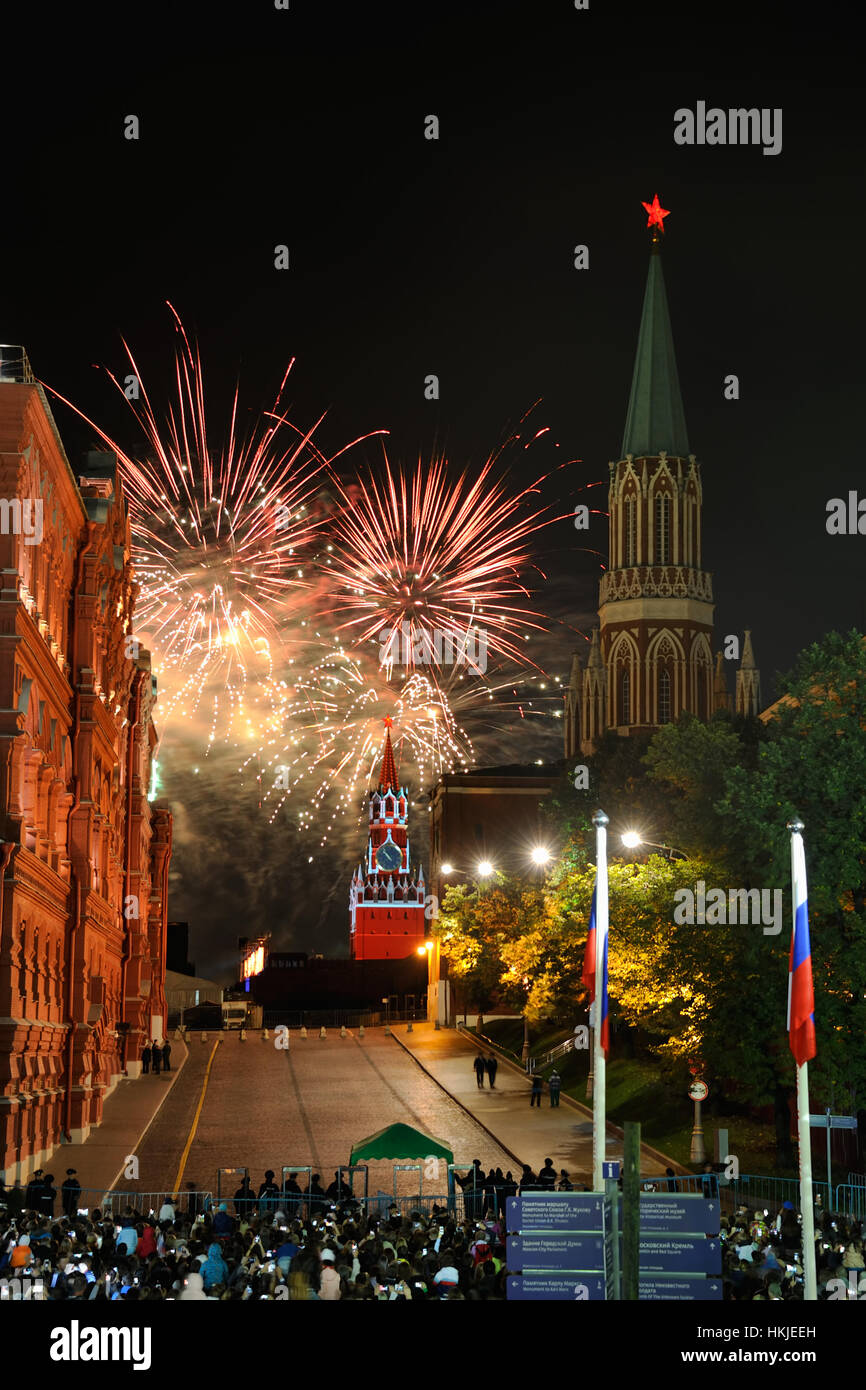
x: 813, y: 765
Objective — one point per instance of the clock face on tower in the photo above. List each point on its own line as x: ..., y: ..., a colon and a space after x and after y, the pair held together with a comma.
x: 388, y: 856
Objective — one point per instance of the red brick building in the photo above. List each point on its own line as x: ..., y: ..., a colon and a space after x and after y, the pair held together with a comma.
x: 386, y: 899
x: 85, y: 854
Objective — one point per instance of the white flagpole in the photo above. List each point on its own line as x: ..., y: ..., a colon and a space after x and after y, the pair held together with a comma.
x: 599, y: 1091
x: 804, y: 1132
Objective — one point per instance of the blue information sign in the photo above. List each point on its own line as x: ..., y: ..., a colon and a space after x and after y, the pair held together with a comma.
x: 678, y: 1289
x: 556, y: 1211
x: 576, y: 1287
x: 664, y: 1254
x: 677, y: 1212
x: 610, y: 1170
x: 547, y: 1250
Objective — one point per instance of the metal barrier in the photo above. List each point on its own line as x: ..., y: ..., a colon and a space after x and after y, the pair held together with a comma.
x: 150, y: 1203
x: 851, y: 1200
x: 757, y: 1191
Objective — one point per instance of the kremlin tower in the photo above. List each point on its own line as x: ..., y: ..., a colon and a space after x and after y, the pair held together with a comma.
x: 651, y: 657
x: 386, y: 900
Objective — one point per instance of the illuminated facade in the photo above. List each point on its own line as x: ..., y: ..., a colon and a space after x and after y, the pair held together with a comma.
x: 386, y: 900
x: 85, y: 855
x: 651, y: 657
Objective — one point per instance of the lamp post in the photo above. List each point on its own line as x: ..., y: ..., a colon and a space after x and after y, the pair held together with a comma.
x: 525, y: 1053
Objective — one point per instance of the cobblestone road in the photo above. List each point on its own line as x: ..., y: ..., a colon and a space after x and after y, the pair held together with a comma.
x: 266, y: 1107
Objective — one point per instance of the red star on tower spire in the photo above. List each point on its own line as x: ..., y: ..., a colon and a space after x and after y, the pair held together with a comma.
x: 656, y: 214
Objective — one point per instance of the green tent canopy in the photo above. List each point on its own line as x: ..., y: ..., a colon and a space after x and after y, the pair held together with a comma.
x: 400, y: 1142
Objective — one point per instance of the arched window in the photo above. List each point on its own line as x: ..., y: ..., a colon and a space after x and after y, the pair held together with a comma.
x: 630, y: 531
x: 663, y: 530
x: 625, y: 711
x: 664, y: 697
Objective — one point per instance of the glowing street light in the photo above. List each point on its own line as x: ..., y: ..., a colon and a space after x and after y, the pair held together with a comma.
x: 631, y: 839
x: 540, y: 855
x: 485, y: 868
x: 447, y: 868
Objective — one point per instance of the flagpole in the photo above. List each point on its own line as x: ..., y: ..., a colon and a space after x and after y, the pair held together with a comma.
x: 804, y: 1132
x: 599, y: 1089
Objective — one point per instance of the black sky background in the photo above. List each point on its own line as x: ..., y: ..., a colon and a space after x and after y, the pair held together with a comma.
x: 454, y: 257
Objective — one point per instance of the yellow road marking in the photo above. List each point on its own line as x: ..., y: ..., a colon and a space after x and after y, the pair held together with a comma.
x: 185, y: 1155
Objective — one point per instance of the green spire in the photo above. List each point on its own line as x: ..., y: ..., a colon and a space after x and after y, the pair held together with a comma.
x: 655, y: 419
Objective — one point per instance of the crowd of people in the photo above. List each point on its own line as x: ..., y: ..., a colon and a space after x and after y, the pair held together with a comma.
x: 341, y: 1253
x: 285, y: 1242
x: 156, y: 1056
x: 763, y: 1254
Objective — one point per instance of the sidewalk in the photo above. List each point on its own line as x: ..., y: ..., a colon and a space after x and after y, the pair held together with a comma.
x: 126, y: 1115
x: 563, y: 1133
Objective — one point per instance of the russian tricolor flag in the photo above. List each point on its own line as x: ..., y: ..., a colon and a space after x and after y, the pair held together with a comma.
x: 801, y: 994
x: 589, y: 970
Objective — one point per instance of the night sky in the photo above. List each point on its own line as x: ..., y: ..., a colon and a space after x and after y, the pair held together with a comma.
x: 454, y: 257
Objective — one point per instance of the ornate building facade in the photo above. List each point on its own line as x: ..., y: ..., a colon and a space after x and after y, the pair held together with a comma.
x: 85, y: 854
x: 386, y: 898
x: 651, y: 657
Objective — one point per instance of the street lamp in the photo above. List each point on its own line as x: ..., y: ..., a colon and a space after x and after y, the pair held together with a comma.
x: 541, y: 855
x: 447, y: 869
x: 632, y: 839
x: 485, y: 868
x: 525, y: 1053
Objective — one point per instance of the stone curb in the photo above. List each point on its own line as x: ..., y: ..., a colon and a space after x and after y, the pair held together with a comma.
x: 464, y: 1108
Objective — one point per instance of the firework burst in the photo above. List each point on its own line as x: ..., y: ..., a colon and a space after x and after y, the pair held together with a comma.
x: 436, y: 559
x: 222, y: 543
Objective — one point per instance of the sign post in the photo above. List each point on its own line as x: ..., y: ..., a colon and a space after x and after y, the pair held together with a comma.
x: 828, y: 1122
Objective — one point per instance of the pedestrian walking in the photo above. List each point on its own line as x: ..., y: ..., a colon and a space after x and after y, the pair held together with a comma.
x: 478, y: 1064
x: 492, y: 1066
x: 145, y: 1059
x: 166, y: 1055
x: 535, y: 1099
x: 554, y: 1084
x: 71, y: 1190
x: 155, y: 1058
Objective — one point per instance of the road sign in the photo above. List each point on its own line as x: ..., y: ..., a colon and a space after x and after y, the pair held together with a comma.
x: 699, y: 1090
x: 575, y: 1287
x: 664, y: 1254
x: 557, y: 1211
x: 680, y: 1289
x: 836, y: 1121
x: 610, y: 1170
x: 533, y: 1250
x: 678, y: 1213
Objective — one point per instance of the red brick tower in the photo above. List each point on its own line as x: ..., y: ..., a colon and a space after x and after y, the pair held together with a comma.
x: 386, y: 900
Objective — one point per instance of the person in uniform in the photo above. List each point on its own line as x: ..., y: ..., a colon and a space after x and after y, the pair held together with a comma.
x: 145, y: 1059
x: 166, y: 1055
x: 155, y: 1057
x: 71, y: 1190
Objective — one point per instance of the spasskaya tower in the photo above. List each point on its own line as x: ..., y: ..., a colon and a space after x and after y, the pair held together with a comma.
x: 386, y: 899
